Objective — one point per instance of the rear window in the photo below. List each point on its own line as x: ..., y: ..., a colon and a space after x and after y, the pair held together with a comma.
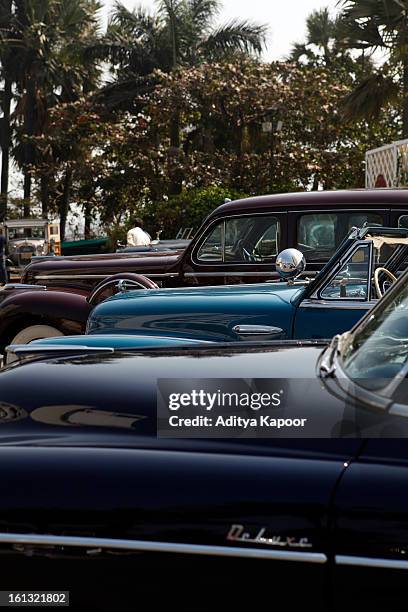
x: 320, y: 234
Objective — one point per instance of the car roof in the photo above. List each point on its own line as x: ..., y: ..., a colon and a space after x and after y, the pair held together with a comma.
x: 307, y: 199
x: 26, y: 223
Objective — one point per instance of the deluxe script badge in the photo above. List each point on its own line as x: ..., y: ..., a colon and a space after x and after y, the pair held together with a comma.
x: 238, y: 533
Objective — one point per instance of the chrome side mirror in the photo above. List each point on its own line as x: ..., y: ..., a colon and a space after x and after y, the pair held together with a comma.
x: 290, y: 263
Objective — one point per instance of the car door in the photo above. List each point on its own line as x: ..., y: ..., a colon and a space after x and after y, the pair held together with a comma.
x: 240, y: 248
x: 370, y: 528
x: 216, y: 525
x: 341, y: 299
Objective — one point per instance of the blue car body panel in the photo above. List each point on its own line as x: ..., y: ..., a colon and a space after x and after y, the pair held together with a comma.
x: 200, y: 313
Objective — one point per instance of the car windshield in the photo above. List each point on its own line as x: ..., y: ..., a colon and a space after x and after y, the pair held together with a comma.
x: 378, y: 350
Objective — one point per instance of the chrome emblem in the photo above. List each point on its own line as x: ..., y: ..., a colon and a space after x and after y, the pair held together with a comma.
x: 238, y: 533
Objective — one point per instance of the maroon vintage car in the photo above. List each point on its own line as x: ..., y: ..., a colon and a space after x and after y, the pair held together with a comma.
x: 237, y: 243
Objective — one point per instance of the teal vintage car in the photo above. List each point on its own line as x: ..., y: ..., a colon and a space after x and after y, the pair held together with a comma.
x: 367, y: 262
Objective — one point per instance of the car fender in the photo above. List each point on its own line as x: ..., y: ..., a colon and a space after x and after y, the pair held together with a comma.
x: 65, y: 311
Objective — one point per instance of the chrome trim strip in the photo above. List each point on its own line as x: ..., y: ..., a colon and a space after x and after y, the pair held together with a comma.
x: 22, y: 286
x: 341, y: 304
x: 254, y: 273
x: 169, y: 547
x: 371, y: 562
x: 98, y: 276
x: 32, y: 349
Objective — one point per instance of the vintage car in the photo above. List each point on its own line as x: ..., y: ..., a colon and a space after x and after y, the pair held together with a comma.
x: 26, y: 238
x: 94, y: 502
x: 367, y: 261
x: 239, y: 241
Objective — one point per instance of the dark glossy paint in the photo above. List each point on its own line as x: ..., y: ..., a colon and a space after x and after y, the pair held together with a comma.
x: 179, y: 268
x: 80, y: 457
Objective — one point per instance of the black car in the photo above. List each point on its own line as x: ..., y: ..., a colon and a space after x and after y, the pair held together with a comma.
x: 94, y: 502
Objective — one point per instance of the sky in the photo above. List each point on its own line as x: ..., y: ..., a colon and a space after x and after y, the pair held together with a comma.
x: 285, y: 19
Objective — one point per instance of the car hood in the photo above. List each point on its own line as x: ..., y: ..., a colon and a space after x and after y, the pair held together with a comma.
x: 106, y: 264
x: 117, y: 392
x: 117, y: 397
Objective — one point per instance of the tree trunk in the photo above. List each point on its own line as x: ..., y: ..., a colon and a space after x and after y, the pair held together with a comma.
x: 45, y: 195
x: 405, y: 100
x: 64, y: 206
x: 5, y: 149
x: 27, y: 193
x: 88, y: 221
x: 29, y: 123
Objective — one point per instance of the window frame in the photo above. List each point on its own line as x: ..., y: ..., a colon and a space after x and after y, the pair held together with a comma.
x: 317, y: 294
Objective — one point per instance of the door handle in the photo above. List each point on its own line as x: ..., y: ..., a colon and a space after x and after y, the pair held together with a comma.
x: 257, y: 330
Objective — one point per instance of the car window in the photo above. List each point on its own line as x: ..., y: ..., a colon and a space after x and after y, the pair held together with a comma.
x: 352, y: 281
x: 242, y: 240
x: 212, y: 248
x: 320, y: 234
x: 15, y: 233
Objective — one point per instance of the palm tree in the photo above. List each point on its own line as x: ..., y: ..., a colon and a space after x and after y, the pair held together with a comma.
x: 321, y: 34
x: 7, y: 68
x: 47, y: 39
x: 379, y: 25
x: 179, y: 33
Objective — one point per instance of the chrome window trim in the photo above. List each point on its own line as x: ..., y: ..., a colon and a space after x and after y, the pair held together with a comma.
x: 338, y: 305
x: 351, y: 560
x: 206, y: 231
x: 169, y: 547
x: 317, y: 292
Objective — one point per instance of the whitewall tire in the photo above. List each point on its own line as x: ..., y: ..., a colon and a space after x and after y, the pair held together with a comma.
x: 31, y: 333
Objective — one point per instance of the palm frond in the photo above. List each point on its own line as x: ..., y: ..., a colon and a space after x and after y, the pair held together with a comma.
x: 170, y: 9
x: 370, y: 96
x: 123, y: 94
x: 135, y: 22
x: 320, y: 27
x: 298, y: 51
x: 203, y: 11
x: 235, y: 36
